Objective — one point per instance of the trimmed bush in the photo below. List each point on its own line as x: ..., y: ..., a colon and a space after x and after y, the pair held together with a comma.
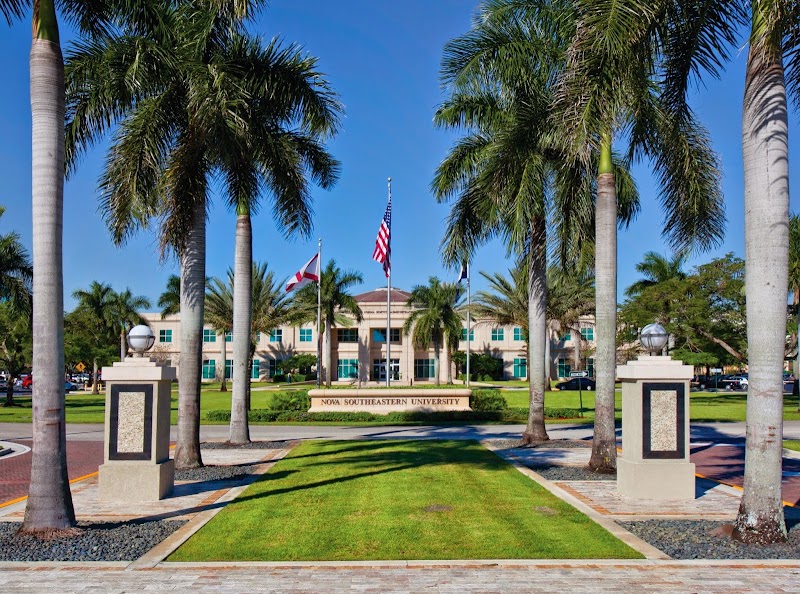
x: 488, y: 400
x: 278, y: 378
x: 294, y: 400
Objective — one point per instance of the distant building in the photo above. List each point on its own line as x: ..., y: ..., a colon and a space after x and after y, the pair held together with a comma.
x: 358, y: 352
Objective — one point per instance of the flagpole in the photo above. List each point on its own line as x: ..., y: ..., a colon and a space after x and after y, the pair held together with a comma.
x: 319, y: 313
x: 469, y: 304
x: 389, y: 301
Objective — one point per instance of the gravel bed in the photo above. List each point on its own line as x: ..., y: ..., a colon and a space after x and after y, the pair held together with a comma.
x: 253, y: 445
x: 572, y: 473
x: 695, y: 539
x: 516, y: 444
x: 94, y: 541
x: 212, y: 473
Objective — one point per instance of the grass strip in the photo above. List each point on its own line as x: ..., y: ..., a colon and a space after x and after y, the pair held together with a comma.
x: 387, y: 499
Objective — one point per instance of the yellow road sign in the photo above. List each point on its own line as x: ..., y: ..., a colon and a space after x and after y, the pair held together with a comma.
x: 80, y: 367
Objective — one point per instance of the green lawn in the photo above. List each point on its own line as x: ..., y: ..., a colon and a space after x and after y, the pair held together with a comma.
x: 367, y: 500
x: 704, y: 406
x: 792, y: 444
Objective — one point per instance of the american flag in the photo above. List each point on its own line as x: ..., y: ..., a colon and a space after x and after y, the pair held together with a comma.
x: 383, y: 249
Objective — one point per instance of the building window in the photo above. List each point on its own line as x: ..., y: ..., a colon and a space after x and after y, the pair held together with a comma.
x: 518, y: 334
x: 276, y: 336
x: 590, y: 366
x: 520, y: 368
x: 379, y: 334
x: 165, y: 336
x: 347, y: 335
x: 423, y: 368
x: 228, y: 368
x: 464, y: 335
x: 587, y: 333
x: 274, y: 367
x: 255, y: 373
x: 306, y: 335
x: 209, y: 369
x: 209, y: 335
x: 497, y: 334
x: 228, y: 336
x: 347, y: 369
x: 379, y: 366
x: 563, y: 368
x: 566, y: 336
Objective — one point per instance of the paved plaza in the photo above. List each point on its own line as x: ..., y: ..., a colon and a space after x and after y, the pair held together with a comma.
x: 198, y: 501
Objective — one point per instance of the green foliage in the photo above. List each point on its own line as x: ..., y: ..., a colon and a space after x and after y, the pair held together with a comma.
x: 703, y: 310
x: 293, y: 400
x: 302, y: 362
x: 435, y: 316
x: 484, y: 400
x: 482, y: 366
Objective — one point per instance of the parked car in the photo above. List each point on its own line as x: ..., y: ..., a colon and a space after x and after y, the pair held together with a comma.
x: 27, y: 381
x: 69, y: 386
x: 575, y: 383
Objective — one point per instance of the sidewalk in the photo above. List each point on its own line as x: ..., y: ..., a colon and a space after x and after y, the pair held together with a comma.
x: 198, y: 502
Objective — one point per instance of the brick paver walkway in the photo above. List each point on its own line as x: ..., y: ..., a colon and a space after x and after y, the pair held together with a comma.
x: 557, y: 577
x: 83, y: 457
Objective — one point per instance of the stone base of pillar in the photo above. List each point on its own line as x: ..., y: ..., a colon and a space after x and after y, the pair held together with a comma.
x: 652, y: 479
x: 136, y: 481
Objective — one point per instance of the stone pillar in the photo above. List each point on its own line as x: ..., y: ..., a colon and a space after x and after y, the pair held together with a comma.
x: 136, y: 446
x: 655, y: 430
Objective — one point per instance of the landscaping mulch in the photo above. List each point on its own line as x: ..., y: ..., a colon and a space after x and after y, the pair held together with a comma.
x: 253, y: 445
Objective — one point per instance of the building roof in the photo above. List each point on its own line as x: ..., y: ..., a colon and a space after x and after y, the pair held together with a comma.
x: 379, y: 296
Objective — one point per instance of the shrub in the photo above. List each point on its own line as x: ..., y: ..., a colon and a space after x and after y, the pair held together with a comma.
x: 290, y: 400
x: 278, y: 377
x: 488, y: 400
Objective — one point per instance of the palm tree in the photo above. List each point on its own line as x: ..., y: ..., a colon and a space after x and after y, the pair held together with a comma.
x: 125, y: 313
x: 218, y: 312
x: 611, y: 85
x: 570, y: 297
x: 170, y: 300
x: 193, y: 97
x: 16, y: 272
x: 271, y: 309
x: 335, y: 300
x: 435, y: 317
x: 291, y: 111
x: 98, y: 305
x: 699, y: 37
x: 512, y: 175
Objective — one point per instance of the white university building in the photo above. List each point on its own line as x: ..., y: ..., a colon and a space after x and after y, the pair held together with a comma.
x: 358, y: 352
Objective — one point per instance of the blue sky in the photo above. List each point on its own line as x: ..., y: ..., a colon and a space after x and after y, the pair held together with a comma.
x: 383, y: 59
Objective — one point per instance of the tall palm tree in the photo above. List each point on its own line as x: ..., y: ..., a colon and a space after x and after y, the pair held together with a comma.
x: 98, y: 303
x: 435, y: 318
x: 291, y: 111
x: 125, y: 313
x: 16, y: 271
x: 512, y: 175
x: 335, y: 300
x: 794, y: 279
x: 610, y: 90
x: 218, y: 313
x: 193, y: 96
x: 570, y: 297
x: 698, y: 38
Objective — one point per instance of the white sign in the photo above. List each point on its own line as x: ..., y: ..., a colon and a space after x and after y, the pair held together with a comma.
x: 579, y: 374
x: 716, y: 370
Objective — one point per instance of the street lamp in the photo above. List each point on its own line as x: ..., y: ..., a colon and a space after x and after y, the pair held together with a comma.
x: 653, y: 337
x: 141, y: 339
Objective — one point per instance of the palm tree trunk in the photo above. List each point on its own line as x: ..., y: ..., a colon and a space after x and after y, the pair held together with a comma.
x: 193, y: 286
x: 123, y: 345
x: 535, y: 430
x: 49, y: 505
x: 604, y: 444
x: 242, y: 314
x: 448, y: 364
x: 576, y: 353
x: 223, y: 387
x: 766, y: 194
x: 328, y: 353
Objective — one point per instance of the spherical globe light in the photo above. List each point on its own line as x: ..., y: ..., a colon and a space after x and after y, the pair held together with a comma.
x: 653, y: 337
x: 141, y: 339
